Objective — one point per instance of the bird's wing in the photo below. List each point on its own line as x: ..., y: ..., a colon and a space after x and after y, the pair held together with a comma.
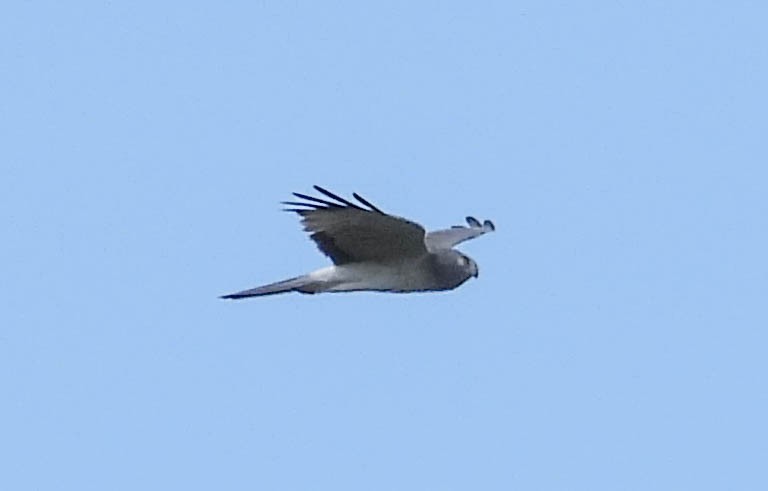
x: 348, y: 232
x: 446, y: 239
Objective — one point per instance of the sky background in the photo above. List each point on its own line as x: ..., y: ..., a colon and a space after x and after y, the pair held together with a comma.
x: 615, y: 339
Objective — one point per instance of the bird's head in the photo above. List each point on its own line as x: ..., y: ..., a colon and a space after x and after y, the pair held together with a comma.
x: 463, y: 265
x: 467, y: 264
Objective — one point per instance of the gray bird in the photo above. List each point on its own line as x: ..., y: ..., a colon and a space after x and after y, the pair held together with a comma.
x: 374, y: 251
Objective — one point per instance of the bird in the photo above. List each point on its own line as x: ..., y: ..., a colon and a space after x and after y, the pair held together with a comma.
x: 374, y: 251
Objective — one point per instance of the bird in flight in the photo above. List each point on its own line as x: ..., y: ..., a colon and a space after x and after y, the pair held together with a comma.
x: 374, y: 251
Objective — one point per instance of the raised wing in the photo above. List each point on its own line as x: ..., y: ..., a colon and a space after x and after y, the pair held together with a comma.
x: 348, y: 232
x: 446, y: 239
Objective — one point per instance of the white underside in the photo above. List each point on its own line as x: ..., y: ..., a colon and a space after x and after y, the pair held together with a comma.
x: 368, y: 276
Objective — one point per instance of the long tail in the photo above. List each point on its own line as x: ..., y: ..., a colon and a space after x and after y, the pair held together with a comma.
x: 301, y: 284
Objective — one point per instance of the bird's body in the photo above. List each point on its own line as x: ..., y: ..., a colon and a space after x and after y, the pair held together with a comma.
x: 373, y: 251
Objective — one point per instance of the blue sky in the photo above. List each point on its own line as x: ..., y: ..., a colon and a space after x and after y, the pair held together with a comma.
x: 615, y: 339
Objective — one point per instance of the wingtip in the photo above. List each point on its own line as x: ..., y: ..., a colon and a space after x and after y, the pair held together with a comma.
x: 473, y: 222
x: 489, y: 226
x: 336, y: 197
x: 367, y: 203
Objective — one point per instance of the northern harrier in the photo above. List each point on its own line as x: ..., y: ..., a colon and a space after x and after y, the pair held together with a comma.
x: 374, y: 251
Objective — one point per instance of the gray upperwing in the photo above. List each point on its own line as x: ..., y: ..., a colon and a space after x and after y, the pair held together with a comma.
x: 447, y: 238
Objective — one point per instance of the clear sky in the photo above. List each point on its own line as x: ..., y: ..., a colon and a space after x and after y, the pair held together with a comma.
x: 615, y: 339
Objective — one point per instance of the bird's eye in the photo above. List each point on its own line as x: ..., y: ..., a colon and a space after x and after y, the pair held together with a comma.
x: 462, y: 261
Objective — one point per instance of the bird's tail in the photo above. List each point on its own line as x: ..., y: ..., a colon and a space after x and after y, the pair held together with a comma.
x: 303, y: 284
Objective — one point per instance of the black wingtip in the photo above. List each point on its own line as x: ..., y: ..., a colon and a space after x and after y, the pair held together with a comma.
x: 473, y: 222
x: 367, y: 203
x: 489, y: 225
x: 336, y: 197
x: 324, y: 202
x: 299, y: 203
